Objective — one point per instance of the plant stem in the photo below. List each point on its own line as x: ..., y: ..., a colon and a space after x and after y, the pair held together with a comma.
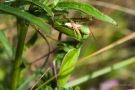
x: 22, y: 28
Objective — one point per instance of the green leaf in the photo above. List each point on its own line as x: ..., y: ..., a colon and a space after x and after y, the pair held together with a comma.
x: 48, y: 88
x: 70, y: 88
x: 44, y: 7
x: 31, y: 41
x: 65, y: 30
x: 6, y: 44
x: 86, y: 8
x: 70, y: 58
x: 34, y: 2
x: 77, y: 88
x: 45, y: 18
x: 61, y: 88
x: 46, y: 1
x: 24, y: 15
x: 55, y: 2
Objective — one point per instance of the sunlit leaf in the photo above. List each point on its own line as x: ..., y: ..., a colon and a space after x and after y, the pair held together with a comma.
x: 46, y: 1
x: 70, y: 58
x: 86, y: 8
x: 55, y: 2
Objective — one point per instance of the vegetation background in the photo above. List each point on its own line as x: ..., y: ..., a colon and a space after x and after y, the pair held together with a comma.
x: 123, y: 12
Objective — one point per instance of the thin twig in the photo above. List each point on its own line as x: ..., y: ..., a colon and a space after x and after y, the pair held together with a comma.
x: 44, y: 36
x: 55, y: 72
x: 42, y: 56
x: 40, y: 78
x: 112, y: 6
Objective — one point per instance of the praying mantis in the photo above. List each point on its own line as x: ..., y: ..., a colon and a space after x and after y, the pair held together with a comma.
x: 70, y: 50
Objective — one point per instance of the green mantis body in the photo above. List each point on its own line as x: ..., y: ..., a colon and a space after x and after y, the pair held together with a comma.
x: 71, y: 49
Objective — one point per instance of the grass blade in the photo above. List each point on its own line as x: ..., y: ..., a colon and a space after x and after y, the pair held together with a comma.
x: 100, y: 72
x: 6, y: 44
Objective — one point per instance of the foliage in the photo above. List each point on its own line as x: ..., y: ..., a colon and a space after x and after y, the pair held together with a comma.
x: 39, y: 14
x: 62, y: 88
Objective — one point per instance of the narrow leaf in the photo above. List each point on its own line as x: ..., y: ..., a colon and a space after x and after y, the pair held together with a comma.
x: 34, y: 2
x: 55, y: 2
x: 45, y: 18
x: 86, y: 8
x: 70, y: 58
x: 65, y: 30
x: 6, y: 44
x: 100, y: 72
x: 44, y: 7
x: 31, y: 41
x: 46, y: 1
x: 25, y: 15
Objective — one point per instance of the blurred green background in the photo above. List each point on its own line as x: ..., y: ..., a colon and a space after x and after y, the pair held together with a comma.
x: 123, y: 12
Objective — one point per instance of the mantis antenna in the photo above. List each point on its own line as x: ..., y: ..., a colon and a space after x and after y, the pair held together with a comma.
x: 95, y: 41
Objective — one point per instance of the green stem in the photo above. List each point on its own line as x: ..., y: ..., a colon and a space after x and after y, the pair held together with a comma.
x: 22, y: 31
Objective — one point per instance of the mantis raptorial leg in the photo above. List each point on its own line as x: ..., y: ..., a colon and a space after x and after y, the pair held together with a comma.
x: 74, y: 27
x: 72, y: 54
